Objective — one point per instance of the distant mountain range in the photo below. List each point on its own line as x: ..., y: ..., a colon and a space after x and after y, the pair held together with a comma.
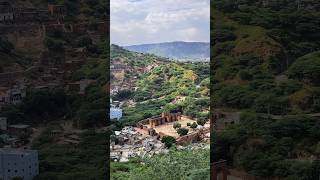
x: 179, y: 50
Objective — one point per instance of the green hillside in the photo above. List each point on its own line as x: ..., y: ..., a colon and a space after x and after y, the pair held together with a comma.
x: 168, y: 86
x: 266, y: 65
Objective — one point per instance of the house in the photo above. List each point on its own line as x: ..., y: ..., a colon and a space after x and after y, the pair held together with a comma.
x: 12, y: 95
x: 6, y: 12
x: 16, y: 94
x: 115, y: 113
x: 18, y: 163
x: 58, y: 12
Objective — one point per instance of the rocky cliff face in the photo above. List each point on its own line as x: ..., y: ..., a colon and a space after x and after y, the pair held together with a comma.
x: 28, y: 39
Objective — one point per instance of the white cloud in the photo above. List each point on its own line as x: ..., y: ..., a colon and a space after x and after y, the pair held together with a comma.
x: 150, y: 21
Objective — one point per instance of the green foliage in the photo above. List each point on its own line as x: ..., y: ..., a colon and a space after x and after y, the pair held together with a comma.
x: 306, y: 68
x: 92, y: 110
x: 182, y: 131
x: 122, y: 95
x: 266, y: 61
x: 74, y: 161
x: 194, y: 125
x: 5, y: 45
x: 171, y: 166
x: 54, y: 44
x: 222, y: 35
x: 201, y: 121
x: 168, y: 141
x: 38, y: 106
x: 176, y: 125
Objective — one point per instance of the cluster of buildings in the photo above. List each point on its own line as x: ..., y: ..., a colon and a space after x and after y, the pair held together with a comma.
x: 130, y: 142
x: 145, y: 138
x: 13, y: 95
x: 18, y: 163
x: 160, y: 126
x: 10, y: 13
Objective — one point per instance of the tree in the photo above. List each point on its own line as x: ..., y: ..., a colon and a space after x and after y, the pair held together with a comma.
x: 182, y: 131
x: 194, y: 125
x: 201, y: 121
x: 5, y: 45
x: 168, y: 141
x: 176, y: 125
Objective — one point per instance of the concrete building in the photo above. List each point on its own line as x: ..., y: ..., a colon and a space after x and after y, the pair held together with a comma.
x: 18, y: 163
x: 115, y: 113
x: 16, y: 94
x: 13, y: 95
x: 6, y: 12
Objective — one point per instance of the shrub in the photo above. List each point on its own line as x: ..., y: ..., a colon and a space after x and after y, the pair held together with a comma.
x: 182, y: 131
x: 176, y: 125
x: 194, y: 125
x: 168, y: 141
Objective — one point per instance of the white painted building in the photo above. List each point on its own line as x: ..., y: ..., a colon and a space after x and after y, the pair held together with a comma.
x: 115, y: 113
x: 18, y: 163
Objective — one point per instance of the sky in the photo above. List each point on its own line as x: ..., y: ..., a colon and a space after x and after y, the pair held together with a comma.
x: 153, y: 21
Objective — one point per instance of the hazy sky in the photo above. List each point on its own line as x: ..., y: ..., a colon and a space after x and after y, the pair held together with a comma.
x: 152, y: 21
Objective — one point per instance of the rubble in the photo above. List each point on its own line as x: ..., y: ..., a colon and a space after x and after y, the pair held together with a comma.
x: 129, y: 143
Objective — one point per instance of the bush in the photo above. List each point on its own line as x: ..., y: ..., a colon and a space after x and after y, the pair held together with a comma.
x: 221, y: 35
x: 194, y: 125
x: 201, y: 121
x: 245, y: 75
x: 176, y: 125
x: 182, y: 131
x: 168, y: 141
x: 5, y: 45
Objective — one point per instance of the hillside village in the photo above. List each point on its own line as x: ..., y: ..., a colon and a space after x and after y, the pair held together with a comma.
x: 151, y: 114
x: 42, y: 50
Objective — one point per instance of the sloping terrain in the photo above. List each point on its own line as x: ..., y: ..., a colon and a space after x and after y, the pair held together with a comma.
x: 155, y: 83
x: 265, y: 66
